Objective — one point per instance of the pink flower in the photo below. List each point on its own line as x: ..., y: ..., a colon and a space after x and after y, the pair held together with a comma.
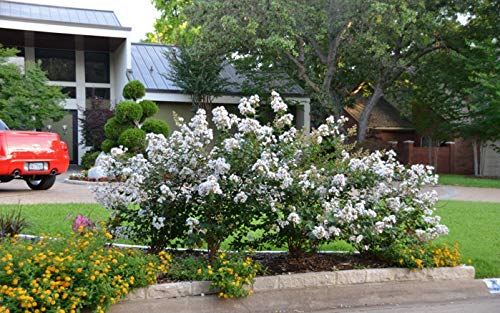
x: 82, y: 221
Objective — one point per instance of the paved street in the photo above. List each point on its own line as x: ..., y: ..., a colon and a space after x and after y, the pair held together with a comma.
x: 481, y: 305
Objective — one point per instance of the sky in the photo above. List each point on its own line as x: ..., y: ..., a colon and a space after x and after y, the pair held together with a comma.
x: 138, y: 14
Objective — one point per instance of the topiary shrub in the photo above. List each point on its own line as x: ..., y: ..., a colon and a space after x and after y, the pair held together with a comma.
x: 128, y: 112
x: 107, y: 145
x: 134, y: 90
x: 134, y: 139
x: 149, y: 108
x: 113, y: 128
x: 88, y: 159
x: 124, y: 128
x: 155, y: 126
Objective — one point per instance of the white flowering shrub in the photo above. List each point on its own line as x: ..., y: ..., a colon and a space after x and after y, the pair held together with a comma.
x: 300, y: 190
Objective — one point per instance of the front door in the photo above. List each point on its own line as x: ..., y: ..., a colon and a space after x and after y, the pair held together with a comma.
x: 67, y: 128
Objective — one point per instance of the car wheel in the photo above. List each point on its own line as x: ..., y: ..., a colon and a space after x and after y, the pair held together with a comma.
x: 41, y: 182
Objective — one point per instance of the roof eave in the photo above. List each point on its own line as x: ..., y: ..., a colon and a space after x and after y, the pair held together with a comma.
x: 50, y: 22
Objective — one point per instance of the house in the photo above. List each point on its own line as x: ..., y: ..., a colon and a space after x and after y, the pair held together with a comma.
x: 90, y: 55
x: 389, y: 129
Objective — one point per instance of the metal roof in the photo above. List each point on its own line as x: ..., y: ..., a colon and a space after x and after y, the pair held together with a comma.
x: 149, y: 66
x: 57, y: 14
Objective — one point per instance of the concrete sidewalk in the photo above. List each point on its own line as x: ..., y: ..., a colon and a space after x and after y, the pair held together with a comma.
x: 467, y: 193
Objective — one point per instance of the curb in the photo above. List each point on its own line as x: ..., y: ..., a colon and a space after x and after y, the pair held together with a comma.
x: 80, y: 182
x: 308, y: 280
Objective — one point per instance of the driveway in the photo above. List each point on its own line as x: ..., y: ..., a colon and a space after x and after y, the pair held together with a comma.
x: 17, y: 192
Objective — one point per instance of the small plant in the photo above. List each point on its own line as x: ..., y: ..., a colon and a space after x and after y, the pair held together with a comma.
x: 88, y: 159
x: 81, y: 222
x: 12, y: 223
x: 232, y: 274
x: 429, y: 255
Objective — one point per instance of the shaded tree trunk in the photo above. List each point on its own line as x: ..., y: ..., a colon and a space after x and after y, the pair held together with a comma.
x: 365, y: 114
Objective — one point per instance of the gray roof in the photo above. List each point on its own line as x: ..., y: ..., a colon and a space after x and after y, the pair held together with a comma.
x: 58, y: 15
x: 150, y: 66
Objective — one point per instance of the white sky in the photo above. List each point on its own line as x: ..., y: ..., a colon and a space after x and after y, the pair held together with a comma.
x: 138, y: 14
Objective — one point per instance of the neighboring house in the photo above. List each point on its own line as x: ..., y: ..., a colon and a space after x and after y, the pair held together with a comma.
x: 89, y: 53
x: 387, y: 129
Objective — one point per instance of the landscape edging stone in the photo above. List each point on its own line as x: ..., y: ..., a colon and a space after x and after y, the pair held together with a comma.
x: 308, y: 280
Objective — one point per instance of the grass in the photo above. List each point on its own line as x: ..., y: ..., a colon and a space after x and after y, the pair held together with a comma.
x: 468, y: 181
x: 475, y: 225
x: 53, y: 219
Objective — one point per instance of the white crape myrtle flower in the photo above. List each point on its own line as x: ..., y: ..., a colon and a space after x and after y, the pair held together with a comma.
x: 231, y: 144
x: 249, y: 125
x: 277, y: 103
x: 319, y: 232
x: 247, y: 106
x: 283, y: 121
x: 210, y: 186
x: 158, y: 222
x: 192, y: 224
x: 241, y: 197
x: 293, y: 218
x: 219, y: 166
x: 221, y: 118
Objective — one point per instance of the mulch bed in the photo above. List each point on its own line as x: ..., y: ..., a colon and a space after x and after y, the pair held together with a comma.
x: 282, y: 263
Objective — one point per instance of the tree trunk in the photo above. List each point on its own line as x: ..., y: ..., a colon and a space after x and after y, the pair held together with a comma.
x: 476, y: 161
x: 365, y: 114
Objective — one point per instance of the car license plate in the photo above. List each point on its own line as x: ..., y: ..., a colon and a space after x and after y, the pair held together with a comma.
x: 35, y: 166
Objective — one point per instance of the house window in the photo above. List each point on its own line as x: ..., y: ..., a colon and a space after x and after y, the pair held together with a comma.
x: 59, y: 64
x: 70, y: 92
x: 97, y: 67
x: 97, y: 96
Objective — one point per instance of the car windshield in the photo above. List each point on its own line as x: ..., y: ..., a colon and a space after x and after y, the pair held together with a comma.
x: 3, y: 126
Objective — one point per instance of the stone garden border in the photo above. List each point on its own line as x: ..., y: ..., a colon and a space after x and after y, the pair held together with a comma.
x: 308, y: 280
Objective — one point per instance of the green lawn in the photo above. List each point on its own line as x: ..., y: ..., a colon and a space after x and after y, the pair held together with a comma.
x: 53, y: 219
x: 468, y: 181
x: 475, y: 225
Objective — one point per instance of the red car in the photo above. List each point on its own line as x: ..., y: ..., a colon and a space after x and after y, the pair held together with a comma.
x: 36, y: 157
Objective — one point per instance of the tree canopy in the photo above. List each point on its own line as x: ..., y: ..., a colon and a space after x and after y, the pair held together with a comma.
x: 26, y: 101
x: 329, y: 47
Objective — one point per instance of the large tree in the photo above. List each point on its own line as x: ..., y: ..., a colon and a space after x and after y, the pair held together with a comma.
x: 172, y: 27
x: 26, y: 101
x: 393, y: 39
x: 300, y: 38
x: 459, y: 88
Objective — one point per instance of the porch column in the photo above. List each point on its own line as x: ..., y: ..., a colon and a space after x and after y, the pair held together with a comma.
x: 451, y: 160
